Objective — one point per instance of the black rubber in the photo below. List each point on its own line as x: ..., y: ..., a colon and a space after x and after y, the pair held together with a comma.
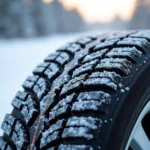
x: 82, y: 96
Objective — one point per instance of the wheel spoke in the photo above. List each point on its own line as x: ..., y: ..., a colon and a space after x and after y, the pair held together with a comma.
x: 140, y: 140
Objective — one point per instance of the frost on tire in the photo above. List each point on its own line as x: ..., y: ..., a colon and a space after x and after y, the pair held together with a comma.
x: 16, y: 131
x: 26, y: 105
x: 36, y: 84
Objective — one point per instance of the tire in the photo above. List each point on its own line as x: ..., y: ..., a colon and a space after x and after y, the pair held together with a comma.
x: 86, y: 96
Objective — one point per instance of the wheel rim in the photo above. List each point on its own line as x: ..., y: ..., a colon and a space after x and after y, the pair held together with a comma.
x: 140, y: 135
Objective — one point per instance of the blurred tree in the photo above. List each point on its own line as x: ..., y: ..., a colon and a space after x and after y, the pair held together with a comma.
x: 26, y: 18
x: 141, y: 19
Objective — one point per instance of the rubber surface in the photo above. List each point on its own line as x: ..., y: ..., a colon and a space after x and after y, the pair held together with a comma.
x: 69, y: 101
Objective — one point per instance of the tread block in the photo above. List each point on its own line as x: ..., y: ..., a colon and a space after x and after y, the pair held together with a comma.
x: 70, y: 48
x: 103, y: 79
x: 74, y: 147
x: 140, y: 43
x: 8, y: 123
x: 62, y: 111
x: 61, y: 80
x: 21, y: 95
x: 116, y: 78
x: 4, y: 145
x: 89, y: 122
x: 57, y: 126
x: 95, y: 95
x: 21, y: 139
x: 49, y: 70
x: 118, y: 35
x: 95, y: 55
x: 6, y: 128
x: 83, y: 41
x: 48, y: 100
x: 73, y: 48
x: 27, y: 106
x: 41, y: 68
x: 36, y: 84
x: 130, y: 53
x: 119, y: 65
x: 68, y: 100
x: 77, y: 132
x: 60, y: 57
x: 74, y: 84
x: 91, y: 105
x: 50, y: 139
x: 141, y: 34
x: 85, y: 68
x: 104, y: 45
x: 16, y: 131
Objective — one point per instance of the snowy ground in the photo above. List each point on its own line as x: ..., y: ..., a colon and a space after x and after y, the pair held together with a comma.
x: 17, y: 60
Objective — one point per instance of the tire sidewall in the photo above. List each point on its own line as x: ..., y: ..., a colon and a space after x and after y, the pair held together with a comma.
x: 128, y: 110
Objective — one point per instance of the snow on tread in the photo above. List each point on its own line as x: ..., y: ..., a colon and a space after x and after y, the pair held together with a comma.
x: 74, y: 147
x: 89, y: 122
x: 77, y: 132
x: 103, y: 45
x: 113, y: 76
x: 50, y: 139
x: 4, y: 145
x: 60, y: 57
x: 141, y: 34
x: 48, y: 70
x: 15, y: 130
x: 140, y: 43
x: 95, y: 95
x: 118, y: 36
x: 36, y: 84
x: 102, y: 79
x: 8, y: 123
x: 95, y: 55
x: 27, y: 106
x: 83, y: 41
x: 57, y: 126
x: 74, y: 84
x: 68, y: 100
x: 87, y: 67
x: 130, y: 53
x: 71, y: 48
x: 48, y: 100
x: 62, y: 111
x: 91, y: 105
x: 48, y: 136
x: 115, y: 64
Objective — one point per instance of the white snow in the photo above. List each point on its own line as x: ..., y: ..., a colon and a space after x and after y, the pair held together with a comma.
x: 83, y: 105
x: 120, y: 85
x: 84, y: 121
x: 122, y: 90
x: 127, y: 88
x: 77, y: 132
x: 74, y: 147
x: 17, y: 60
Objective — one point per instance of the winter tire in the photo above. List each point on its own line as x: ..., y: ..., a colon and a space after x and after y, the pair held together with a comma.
x: 89, y: 95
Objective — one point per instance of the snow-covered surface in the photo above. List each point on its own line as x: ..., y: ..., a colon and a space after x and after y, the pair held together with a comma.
x: 17, y: 60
